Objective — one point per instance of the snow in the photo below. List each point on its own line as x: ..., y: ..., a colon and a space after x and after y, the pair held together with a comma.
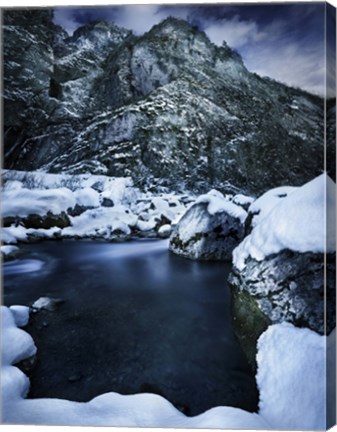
x: 20, y: 315
x: 120, y: 190
x: 87, y: 197
x: 23, y: 202
x: 242, y: 200
x: 218, y: 204
x: 7, y: 250
x: 12, y: 185
x: 146, y: 225
x: 27, y: 193
x: 13, y: 234
x: 287, y: 357
x: 41, y: 180
x: 101, y: 222
x: 297, y: 223
x: 292, y: 378
x: 42, y: 303
x: 165, y: 230
x: 263, y: 205
x: 16, y: 344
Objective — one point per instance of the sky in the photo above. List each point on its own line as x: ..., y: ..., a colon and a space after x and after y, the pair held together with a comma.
x: 282, y: 41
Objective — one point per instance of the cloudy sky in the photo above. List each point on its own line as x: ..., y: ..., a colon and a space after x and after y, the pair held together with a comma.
x: 283, y: 41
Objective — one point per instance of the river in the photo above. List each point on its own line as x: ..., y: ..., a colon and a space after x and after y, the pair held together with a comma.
x: 135, y: 318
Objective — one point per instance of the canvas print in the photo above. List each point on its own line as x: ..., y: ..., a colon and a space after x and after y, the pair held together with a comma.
x: 168, y: 216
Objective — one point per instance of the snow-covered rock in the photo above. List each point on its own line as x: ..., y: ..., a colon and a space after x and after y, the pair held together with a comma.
x: 87, y: 197
x: 242, y: 200
x: 10, y: 252
x: 46, y: 303
x: 103, y: 222
x: 7, y: 250
x: 260, y: 208
x: 165, y: 231
x: 25, y: 202
x: 297, y: 222
x: 210, y: 229
x: 84, y: 206
x: 281, y: 271
x: 20, y: 314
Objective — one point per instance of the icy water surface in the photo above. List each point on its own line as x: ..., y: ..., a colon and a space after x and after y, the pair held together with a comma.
x: 135, y: 319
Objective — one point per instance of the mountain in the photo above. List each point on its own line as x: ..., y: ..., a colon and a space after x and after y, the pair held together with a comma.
x: 168, y: 105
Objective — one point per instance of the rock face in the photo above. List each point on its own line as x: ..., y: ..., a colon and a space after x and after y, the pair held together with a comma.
x: 168, y: 104
x: 204, y: 236
x: 288, y: 286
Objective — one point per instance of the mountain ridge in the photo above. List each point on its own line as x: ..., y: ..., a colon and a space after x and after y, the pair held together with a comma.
x: 168, y: 104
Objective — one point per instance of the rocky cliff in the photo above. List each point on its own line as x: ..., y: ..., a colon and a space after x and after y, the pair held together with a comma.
x: 168, y: 104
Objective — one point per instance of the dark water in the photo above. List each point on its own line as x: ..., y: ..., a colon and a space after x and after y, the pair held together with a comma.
x: 135, y: 319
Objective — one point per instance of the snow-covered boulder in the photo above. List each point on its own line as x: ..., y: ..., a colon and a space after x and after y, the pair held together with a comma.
x: 259, y: 209
x: 46, y: 303
x: 165, y: 231
x: 242, y: 200
x: 39, y: 208
x: 210, y: 229
x: 279, y: 269
x: 9, y: 252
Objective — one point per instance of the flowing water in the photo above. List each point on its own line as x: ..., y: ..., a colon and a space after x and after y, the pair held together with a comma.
x: 135, y: 319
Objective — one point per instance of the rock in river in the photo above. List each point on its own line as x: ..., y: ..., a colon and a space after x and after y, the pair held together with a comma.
x: 210, y: 229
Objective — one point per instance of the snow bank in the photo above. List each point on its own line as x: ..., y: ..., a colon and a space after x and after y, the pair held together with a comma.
x: 87, y: 197
x: 20, y: 315
x: 41, y: 180
x: 297, y: 223
x: 13, y: 234
x: 16, y: 345
x: 101, y: 222
x: 217, y: 203
x: 37, y: 192
x: 291, y: 377
x: 26, y: 193
x: 24, y: 202
x: 7, y: 250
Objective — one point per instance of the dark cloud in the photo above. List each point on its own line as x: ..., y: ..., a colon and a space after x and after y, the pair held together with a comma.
x: 283, y: 41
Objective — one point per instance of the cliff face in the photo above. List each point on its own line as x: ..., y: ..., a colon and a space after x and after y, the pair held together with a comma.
x: 168, y: 104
